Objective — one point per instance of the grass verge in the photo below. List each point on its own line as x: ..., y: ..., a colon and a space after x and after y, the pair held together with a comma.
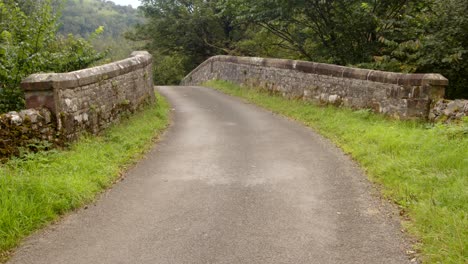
x: 39, y: 188
x: 421, y: 167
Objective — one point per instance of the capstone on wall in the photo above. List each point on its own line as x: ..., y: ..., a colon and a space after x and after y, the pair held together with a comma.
x: 92, y: 99
x: 405, y: 96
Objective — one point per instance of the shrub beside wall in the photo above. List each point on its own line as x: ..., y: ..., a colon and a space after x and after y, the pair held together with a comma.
x: 27, y: 130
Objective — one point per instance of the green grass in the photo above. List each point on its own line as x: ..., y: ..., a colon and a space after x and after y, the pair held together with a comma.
x: 39, y: 188
x: 421, y: 167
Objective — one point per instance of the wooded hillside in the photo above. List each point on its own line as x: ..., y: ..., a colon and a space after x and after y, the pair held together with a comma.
x: 82, y: 17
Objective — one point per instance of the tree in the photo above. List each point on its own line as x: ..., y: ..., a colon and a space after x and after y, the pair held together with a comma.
x: 433, y: 39
x: 28, y: 44
x: 394, y: 35
x: 188, y: 31
x: 335, y: 31
x: 445, y: 46
x: 82, y: 18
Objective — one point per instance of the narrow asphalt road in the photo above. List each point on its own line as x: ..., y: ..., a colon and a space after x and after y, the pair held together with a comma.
x: 229, y: 183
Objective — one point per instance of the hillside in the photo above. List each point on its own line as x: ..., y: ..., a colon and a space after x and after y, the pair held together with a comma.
x: 82, y: 17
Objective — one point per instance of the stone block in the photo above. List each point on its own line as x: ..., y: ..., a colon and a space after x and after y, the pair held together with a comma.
x: 40, y: 98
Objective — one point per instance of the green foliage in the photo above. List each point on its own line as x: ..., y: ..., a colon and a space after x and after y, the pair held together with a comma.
x: 39, y: 187
x: 23, y: 37
x: 116, y: 48
x: 445, y: 46
x: 185, y: 31
x: 29, y: 44
x: 423, y: 168
x: 259, y: 42
x: 72, y: 53
x: 418, y: 36
x: 434, y: 38
x: 81, y: 18
x: 169, y: 69
x: 341, y: 32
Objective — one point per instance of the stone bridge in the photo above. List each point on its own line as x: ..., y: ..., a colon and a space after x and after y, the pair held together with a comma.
x: 64, y: 105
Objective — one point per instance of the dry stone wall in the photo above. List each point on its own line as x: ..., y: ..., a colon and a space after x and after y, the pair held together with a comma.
x: 27, y: 130
x: 92, y: 99
x: 405, y: 96
x: 61, y: 106
x: 449, y: 110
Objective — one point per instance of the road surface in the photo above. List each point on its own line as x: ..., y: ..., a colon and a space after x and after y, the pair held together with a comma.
x: 229, y: 183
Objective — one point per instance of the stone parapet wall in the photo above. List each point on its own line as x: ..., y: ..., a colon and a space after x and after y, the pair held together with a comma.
x: 61, y: 106
x: 91, y: 99
x: 405, y: 96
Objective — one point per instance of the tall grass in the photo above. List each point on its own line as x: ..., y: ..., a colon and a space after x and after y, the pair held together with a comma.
x: 421, y: 167
x: 38, y: 188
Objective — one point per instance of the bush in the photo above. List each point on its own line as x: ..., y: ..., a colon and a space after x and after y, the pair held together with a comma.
x: 169, y: 70
x: 29, y: 43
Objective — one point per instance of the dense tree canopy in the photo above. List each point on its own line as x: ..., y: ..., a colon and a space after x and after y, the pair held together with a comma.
x: 182, y: 34
x: 396, y: 35
x: 82, y: 17
x: 342, y: 32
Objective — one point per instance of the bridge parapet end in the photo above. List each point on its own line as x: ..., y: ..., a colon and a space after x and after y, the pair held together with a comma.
x: 91, y: 99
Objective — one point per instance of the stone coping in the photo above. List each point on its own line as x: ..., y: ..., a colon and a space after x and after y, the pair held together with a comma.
x: 50, y: 81
x: 334, y: 70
